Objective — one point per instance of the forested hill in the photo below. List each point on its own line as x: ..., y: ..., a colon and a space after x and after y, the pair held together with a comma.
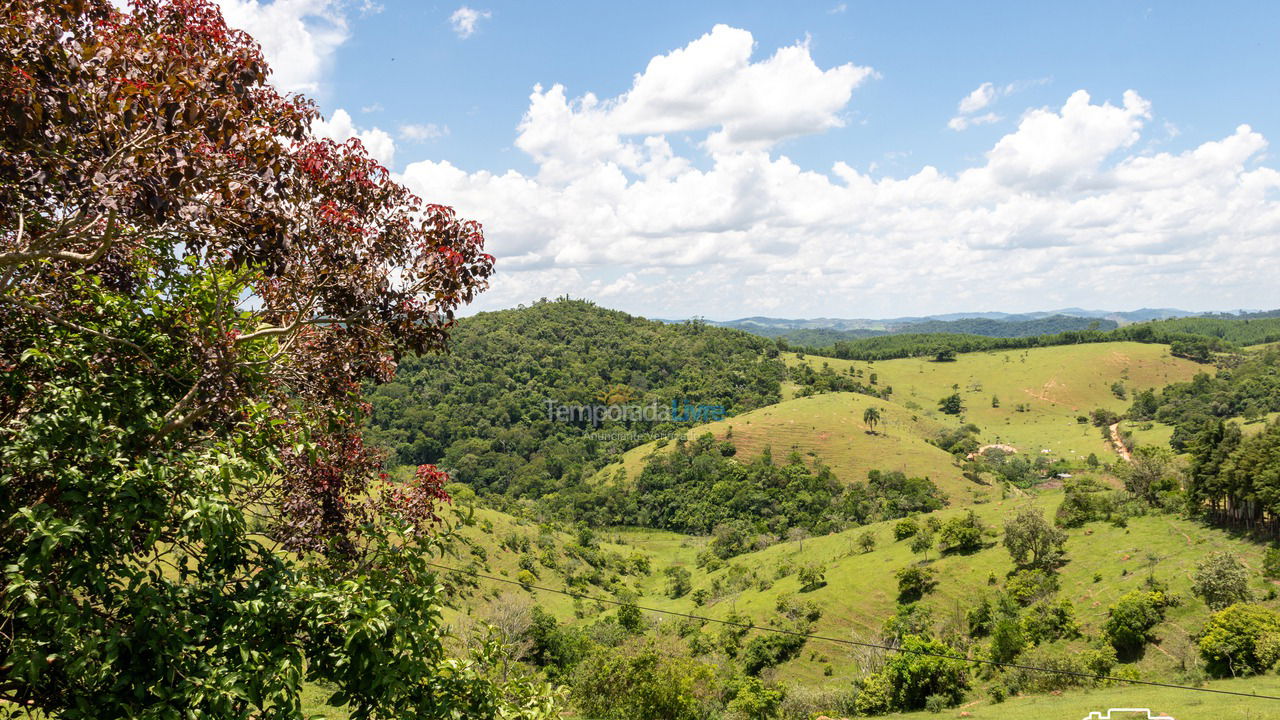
x: 986, y: 327
x: 481, y: 409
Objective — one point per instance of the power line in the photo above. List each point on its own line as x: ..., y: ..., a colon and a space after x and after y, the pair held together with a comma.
x: 857, y: 643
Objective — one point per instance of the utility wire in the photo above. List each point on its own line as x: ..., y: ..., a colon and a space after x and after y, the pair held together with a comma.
x: 858, y: 643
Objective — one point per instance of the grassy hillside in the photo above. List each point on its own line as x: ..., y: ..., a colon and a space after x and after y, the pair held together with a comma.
x: 1052, y: 386
x: 829, y: 428
x: 1104, y: 562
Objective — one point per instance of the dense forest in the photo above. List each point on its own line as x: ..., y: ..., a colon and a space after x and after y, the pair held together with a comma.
x: 481, y: 410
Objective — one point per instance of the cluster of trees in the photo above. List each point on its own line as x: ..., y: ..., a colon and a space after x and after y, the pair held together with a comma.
x: 482, y: 409
x: 1248, y: 388
x: 702, y: 487
x: 1236, y: 479
x: 826, y: 379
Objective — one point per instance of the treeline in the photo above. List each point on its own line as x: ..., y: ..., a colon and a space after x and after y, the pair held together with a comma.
x: 1248, y: 388
x: 1198, y: 339
x: 702, y: 488
x: 1235, y: 479
x: 481, y: 410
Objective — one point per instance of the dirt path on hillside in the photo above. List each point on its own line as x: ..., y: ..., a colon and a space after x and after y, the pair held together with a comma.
x: 1118, y: 444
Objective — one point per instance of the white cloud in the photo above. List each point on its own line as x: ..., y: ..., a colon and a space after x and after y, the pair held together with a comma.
x: 298, y: 37
x: 465, y: 20
x: 709, y: 86
x: 981, y: 97
x: 838, y: 9
x: 963, y: 122
x: 340, y: 128
x: 419, y: 132
x: 1062, y: 210
x: 374, y: 108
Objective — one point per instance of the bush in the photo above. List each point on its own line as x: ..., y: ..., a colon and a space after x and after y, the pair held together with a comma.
x: 678, y: 582
x: 642, y: 682
x: 914, y: 582
x: 1240, y: 640
x: 961, y: 534
x: 867, y: 541
x: 769, y: 649
x: 812, y: 577
x: 1067, y: 659
x: 1221, y: 580
x: 1271, y: 563
x: 909, y: 679
x: 1131, y: 619
x: 1030, y: 584
x: 905, y: 528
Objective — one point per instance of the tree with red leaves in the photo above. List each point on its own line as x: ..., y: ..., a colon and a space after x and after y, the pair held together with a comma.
x: 193, y: 289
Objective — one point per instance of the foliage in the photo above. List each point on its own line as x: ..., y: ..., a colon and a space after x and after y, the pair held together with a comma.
x: 193, y: 290
x: 1131, y: 619
x: 767, y: 650
x: 924, y: 667
x: 1084, y: 500
x: 1031, y: 540
x: 812, y: 576
x: 867, y: 541
x: 1221, y: 580
x: 642, y: 681
x: 696, y: 488
x: 678, y: 582
x: 755, y: 700
x: 1077, y: 666
x: 962, y: 533
x: 1153, y: 473
x: 914, y: 582
x: 1239, y: 640
x: 486, y: 410
x: 952, y: 404
x: 905, y: 528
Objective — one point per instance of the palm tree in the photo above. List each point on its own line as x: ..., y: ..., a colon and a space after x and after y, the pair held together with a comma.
x: 871, y: 416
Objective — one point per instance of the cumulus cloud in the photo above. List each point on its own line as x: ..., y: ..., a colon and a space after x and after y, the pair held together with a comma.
x: 298, y: 37
x: 465, y: 21
x: 981, y: 97
x: 340, y: 127
x: 1062, y: 210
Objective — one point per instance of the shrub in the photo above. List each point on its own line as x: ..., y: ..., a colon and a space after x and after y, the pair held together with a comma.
x: 1271, y: 563
x: 1221, y: 580
x: 961, y: 534
x: 1131, y: 619
x: 1067, y: 659
x: 1030, y: 584
x: 1048, y: 621
x: 812, y: 577
x: 678, y: 582
x: 642, y: 683
x: 1240, y: 639
x: 769, y: 649
x: 914, y: 582
x: 905, y: 528
x: 867, y: 541
x: 910, y: 678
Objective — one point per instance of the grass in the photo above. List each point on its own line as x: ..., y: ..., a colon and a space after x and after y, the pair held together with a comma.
x: 829, y: 428
x: 1179, y: 704
x: 1054, y: 385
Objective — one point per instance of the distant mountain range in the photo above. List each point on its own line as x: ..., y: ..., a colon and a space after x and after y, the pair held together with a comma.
x: 818, y: 332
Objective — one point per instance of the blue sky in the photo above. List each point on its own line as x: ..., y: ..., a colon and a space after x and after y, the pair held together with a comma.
x: 838, y: 159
